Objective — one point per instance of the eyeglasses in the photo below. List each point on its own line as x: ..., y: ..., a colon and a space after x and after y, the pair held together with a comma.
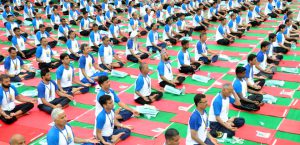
x: 204, y: 102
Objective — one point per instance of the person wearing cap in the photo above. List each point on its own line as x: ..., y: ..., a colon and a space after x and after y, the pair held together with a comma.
x: 169, y: 34
x: 43, y: 33
x: 115, y: 34
x: 143, y: 94
x: 223, y: 37
x: 133, y: 52
x: 198, y: 125
x: 106, y: 55
x: 61, y: 132
x: 202, y: 53
x: 165, y: 73
x: 153, y: 40
x: 263, y: 68
x: 84, y: 26
x: 185, y: 63
x: 248, y: 102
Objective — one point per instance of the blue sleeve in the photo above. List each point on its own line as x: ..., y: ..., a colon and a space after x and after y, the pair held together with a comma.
x: 82, y: 22
x: 52, y: 18
x: 69, y: 44
x: 82, y: 61
x: 257, y: 9
x: 279, y: 38
x: 7, y: 63
x: 1, y: 96
x: 15, y: 90
x: 179, y: 23
x: 285, y: 31
x: 130, y: 44
x: 41, y: 91
x: 21, y: 61
x: 131, y: 22
x: 4, y: 15
x: 211, y: 10
x: 270, y: 7
x: 8, y: 26
x: 26, y: 9
x: 161, y: 69
x: 101, y: 51
x: 48, y: 35
x: 237, y: 86
x: 197, y: 19
x: 199, y: 48
x: 167, y: 28
x: 247, y: 72
x: 112, y: 29
x: 116, y: 98
x: 151, y: 36
x: 278, y: 4
x: 139, y: 83
x: 38, y: 53
x: 14, y: 41
x: 183, y: 6
x: 146, y: 18
x: 38, y: 35
x: 34, y: 23
x: 249, y: 14
x: 61, y: 29
x: 260, y: 57
x: 169, y: 9
x: 220, y: 29
x: 59, y: 73
x: 181, y: 58
x: 195, y: 122
x: 55, y: 85
x: 217, y: 104
x: 24, y: 38
x: 231, y: 99
x: 92, y: 36
x: 53, y: 137
x: 71, y: 13
x: 100, y: 121
x: 93, y: 60
x: 230, y: 24
x: 157, y: 14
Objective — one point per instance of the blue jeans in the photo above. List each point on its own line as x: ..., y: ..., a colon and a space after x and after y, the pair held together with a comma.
x: 69, y: 89
x: 97, y: 74
x: 126, y: 134
x: 125, y: 114
x: 154, y: 49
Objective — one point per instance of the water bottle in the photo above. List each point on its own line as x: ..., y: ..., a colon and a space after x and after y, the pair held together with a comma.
x: 208, y: 74
x: 183, y: 90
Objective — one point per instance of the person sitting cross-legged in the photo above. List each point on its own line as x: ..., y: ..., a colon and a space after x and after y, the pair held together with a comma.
x: 153, y: 40
x: 73, y: 46
x: 47, y: 90
x: 202, y: 53
x: 115, y: 32
x: 13, y: 65
x: 133, y: 51
x: 44, y: 54
x: 18, y: 41
x: 9, y: 110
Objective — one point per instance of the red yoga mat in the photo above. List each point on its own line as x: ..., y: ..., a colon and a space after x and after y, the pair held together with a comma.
x: 151, y: 61
x: 295, y: 104
x: 32, y: 82
x: 181, y: 117
x: 82, y: 132
x: 226, y: 64
x: 251, y: 38
x: 145, y: 127
x: 278, y: 92
x: 118, y: 86
x: 287, y: 63
x: 172, y: 107
x: 260, y: 31
x: 136, y: 141
x: 293, y: 53
x: 172, y: 52
x: 239, y: 45
x: 248, y: 132
x: 278, y: 141
x: 269, y: 110
x: 88, y: 117
x: 236, y: 54
x: 87, y: 98
x: 130, y: 71
x: 74, y: 112
x: 213, y: 75
x: 219, y: 84
x: 286, y: 77
x: 3, y: 38
x: 29, y: 133
x: 290, y: 126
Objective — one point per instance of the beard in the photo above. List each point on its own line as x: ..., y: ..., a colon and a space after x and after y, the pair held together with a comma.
x: 6, y: 86
x: 167, y: 59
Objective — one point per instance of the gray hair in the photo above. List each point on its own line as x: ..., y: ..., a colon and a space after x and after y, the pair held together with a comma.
x: 55, y: 112
x: 226, y: 86
x: 142, y: 66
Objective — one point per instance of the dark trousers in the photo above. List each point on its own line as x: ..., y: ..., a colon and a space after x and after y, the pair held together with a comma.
x: 217, y: 127
x: 126, y: 134
x: 1, y: 58
x: 105, y: 68
x: 38, y: 4
x: 154, y: 49
x: 115, y: 41
x: 255, y: 23
x: 74, y: 57
x: 261, y: 84
x: 199, y: 28
x: 85, y: 32
x: 134, y: 59
x: 20, y: 8
x: 55, y: 26
x: 101, y: 27
x: 28, y: 19
x: 69, y: 89
x: 207, y: 61
x: 248, y: 106
x: 25, y: 107
x: 66, y: 12
x: 63, y: 101
x: 189, y: 69
x: 292, y: 39
x: 237, y: 34
x: 49, y: 65
x: 16, y: 78
x: 180, y: 80
x: 52, y: 44
x: 223, y: 41
x: 281, y: 49
x: 141, y: 101
x: 172, y: 40
x: 28, y: 53
x: 64, y: 39
x: 125, y: 115
x: 272, y: 15
x: 187, y: 33
x: 279, y: 57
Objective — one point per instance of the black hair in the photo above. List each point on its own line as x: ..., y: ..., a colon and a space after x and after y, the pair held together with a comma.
x: 103, y: 38
x: 63, y: 56
x: 272, y: 36
x: 102, y: 79
x: 103, y: 99
x: 15, y: 29
x: 170, y: 133
x: 44, y: 71
x: 198, y: 98
x: 11, y: 49
x: 251, y: 57
x: 239, y: 70
x: 282, y: 26
x: 184, y: 42
x: 82, y: 46
x: 264, y: 44
x: 42, y: 26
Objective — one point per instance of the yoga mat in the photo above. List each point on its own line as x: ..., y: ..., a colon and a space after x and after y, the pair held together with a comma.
x: 277, y: 110
x: 172, y: 107
x: 118, y: 86
x: 226, y: 64
x: 73, y: 112
x: 278, y: 92
x: 251, y: 38
x: 213, y: 75
x: 82, y: 132
x: 151, y: 61
x: 293, y: 53
x: 230, y: 53
x: 32, y: 82
x: 286, y: 77
x: 219, y: 84
x: 136, y: 141
x: 295, y: 104
x: 88, y: 117
x: 290, y: 126
x: 172, y: 52
x: 30, y: 133
x: 287, y: 63
x: 87, y: 98
x: 239, y: 45
x: 278, y: 141
x: 130, y: 71
x: 260, y: 31
x: 3, y: 143
x: 181, y: 117
x: 145, y: 127
x: 248, y: 132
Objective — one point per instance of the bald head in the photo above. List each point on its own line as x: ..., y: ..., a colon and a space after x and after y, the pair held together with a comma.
x: 17, y: 139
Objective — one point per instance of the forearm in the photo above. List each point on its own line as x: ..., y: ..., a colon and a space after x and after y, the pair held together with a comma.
x: 139, y: 94
x: 80, y: 140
